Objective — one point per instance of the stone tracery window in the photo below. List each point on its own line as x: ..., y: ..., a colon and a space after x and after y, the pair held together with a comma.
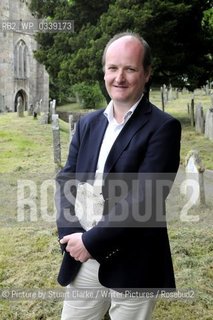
x: 20, y: 60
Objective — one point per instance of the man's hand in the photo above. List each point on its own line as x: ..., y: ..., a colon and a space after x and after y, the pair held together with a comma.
x: 76, y: 247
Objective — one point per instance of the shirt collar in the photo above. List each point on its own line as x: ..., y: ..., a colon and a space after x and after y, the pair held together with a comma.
x: 109, y: 111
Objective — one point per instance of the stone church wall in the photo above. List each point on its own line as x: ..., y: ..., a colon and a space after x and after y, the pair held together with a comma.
x: 20, y: 74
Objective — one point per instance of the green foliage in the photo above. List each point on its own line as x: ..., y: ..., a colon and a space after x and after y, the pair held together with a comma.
x: 89, y: 95
x: 47, y: 8
x: 180, y: 34
x: 180, y: 45
x: 58, y: 50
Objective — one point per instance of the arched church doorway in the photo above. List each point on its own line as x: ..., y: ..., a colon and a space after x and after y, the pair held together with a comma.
x: 21, y: 93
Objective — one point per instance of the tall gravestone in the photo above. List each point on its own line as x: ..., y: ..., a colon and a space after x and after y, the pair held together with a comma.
x: 53, y: 106
x: 192, y: 113
x: 209, y: 124
x: 38, y: 108
x: 195, y: 191
x: 56, y: 141
x: 199, y: 119
x: 71, y: 125
x: 20, y: 107
x: 30, y: 110
x: 162, y: 98
x: 170, y: 93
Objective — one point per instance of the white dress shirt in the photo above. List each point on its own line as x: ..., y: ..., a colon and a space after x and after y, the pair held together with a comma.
x: 111, y: 133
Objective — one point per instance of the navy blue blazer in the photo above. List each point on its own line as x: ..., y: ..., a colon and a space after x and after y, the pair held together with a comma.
x: 130, y: 242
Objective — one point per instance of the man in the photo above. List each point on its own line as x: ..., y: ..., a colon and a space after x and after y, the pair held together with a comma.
x: 135, y: 147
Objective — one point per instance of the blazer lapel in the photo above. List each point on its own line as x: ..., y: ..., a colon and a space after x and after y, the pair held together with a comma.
x: 98, y: 127
x: 139, y: 118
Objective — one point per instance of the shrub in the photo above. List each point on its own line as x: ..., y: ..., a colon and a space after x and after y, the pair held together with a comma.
x: 88, y: 95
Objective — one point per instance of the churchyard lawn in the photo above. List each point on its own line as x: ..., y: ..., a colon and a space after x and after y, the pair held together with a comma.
x: 30, y: 255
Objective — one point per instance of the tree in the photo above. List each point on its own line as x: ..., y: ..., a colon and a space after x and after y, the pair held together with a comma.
x: 56, y: 49
x: 179, y: 32
x: 181, y: 43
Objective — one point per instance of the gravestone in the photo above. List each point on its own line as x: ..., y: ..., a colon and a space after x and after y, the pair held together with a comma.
x: 170, y: 93
x: 20, y: 107
x: 199, y: 119
x: 71, y: 123
x: 188, y: 108
x: 40, y: 105
x: 56, y: 141
x: 38, y: 109
x: 54, y: 106
x: 30, y: 110
x: 207, y: 87
x: 35, y: 111
x: 162, y: 98
x: 192, y: 113
x: 209, y: 124
x: 45, y: 118
x: 194, y: 182
x: 166, y: 94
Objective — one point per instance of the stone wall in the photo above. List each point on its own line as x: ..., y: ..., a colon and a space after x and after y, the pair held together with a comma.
x: 65, y: 115
x: 34, y: 86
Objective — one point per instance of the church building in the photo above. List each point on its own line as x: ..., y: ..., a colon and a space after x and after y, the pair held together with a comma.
x: 21, y: 76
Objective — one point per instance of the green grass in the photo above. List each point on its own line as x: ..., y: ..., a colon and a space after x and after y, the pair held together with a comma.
x: 69, y: 107
x: 26, y: 144
x: 190, y: 139
x: 30, y: 256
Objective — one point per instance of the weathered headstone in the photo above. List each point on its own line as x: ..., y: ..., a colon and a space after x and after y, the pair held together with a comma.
x: 30, y: 110
x: 199, y: 119
x: 35, y: 111
x: 209, y: 124
x: 50, y: 105
x: 194, y: 182
x: 53, y: 106
x: 188, y: 108
x: 165, y: 94
x: 170, y: 93
x: 38, y: 110
x: 192, y: 113
x: 45, y: 118
x: 56, y: 141
x: 40, y: 105
x: 207, y: 87
x: 20, y: 107
x: 162, y: 98
x: 71, y: 123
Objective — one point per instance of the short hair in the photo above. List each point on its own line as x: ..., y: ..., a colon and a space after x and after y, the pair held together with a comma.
x: 147, y: 50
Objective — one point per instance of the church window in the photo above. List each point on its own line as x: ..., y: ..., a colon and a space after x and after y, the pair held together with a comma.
x: 20, y: 60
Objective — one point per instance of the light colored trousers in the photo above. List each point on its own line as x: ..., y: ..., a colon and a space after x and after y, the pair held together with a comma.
x: 93, y: 305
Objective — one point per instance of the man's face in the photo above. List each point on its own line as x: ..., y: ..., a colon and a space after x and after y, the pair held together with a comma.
x: 125, y: 77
